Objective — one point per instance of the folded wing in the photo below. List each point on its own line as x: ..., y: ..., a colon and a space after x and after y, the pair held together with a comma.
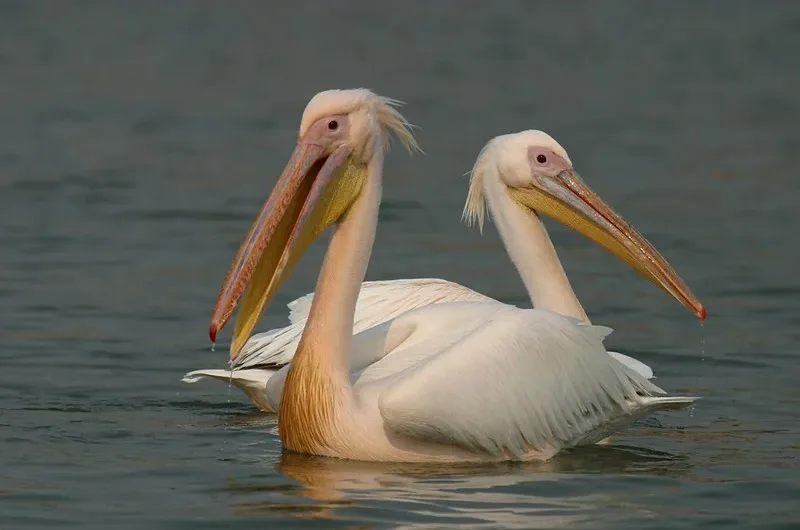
x: 523, y: 381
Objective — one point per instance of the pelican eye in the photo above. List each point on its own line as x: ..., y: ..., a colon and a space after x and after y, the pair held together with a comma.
x: 541, y: 159
x: 333, y: 125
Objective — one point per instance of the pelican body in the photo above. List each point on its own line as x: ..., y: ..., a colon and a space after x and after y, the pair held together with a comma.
x: 463, y: 381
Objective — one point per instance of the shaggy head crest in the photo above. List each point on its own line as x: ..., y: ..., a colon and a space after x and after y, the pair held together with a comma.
x: 380, y: 111
x: 507, y: 152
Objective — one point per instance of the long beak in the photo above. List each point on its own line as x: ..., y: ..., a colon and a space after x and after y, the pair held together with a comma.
x: 292, y: 218
x: 568, y: 200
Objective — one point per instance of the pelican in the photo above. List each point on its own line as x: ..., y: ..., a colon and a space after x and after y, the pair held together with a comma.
x: 470, y: 381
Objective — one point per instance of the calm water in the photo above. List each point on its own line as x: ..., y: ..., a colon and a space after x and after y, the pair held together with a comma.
x: 138, y: 140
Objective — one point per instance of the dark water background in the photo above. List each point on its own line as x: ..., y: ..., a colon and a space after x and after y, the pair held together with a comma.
x: 138, y: 140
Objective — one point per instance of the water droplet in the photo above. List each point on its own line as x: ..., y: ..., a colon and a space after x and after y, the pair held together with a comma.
x: 228, y: 408
x: 702, y: 341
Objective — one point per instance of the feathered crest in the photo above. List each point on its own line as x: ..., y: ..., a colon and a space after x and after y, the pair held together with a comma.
x: 345, y: 101
x: 475, y: 207
x: 390, y: 118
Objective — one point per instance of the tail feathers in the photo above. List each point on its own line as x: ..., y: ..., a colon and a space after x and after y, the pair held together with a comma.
x: 653, y: 404
x: 252, y: 382
x: 642, y: 409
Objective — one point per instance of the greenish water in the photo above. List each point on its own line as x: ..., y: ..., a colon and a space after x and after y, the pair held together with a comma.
x: 138, y: 141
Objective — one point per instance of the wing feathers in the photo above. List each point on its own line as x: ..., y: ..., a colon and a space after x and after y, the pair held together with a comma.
x: 252, y: 382
x: 525, y: 380
x: 378, y: 302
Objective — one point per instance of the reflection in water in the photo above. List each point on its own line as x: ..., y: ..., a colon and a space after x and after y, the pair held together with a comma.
x: 510, y: 495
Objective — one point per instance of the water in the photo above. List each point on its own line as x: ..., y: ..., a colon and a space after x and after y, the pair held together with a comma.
x: 137, y: 142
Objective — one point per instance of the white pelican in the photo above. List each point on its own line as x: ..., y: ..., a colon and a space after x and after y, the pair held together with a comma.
x: 464, y: 381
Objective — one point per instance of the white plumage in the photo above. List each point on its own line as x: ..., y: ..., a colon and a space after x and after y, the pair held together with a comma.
x: 378, y: 302
x: 559, y: 386
x: 559, y: 389
x: 438, y: 381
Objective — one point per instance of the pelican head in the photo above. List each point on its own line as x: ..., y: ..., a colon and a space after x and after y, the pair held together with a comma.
x: 341, y: 133
x: 539, y: 176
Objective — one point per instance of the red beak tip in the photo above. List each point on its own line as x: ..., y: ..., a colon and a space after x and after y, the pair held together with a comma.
x: 702, y: 313
x: 212, y: 333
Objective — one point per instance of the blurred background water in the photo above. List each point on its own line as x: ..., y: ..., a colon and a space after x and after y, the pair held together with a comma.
x: 138, y: 141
